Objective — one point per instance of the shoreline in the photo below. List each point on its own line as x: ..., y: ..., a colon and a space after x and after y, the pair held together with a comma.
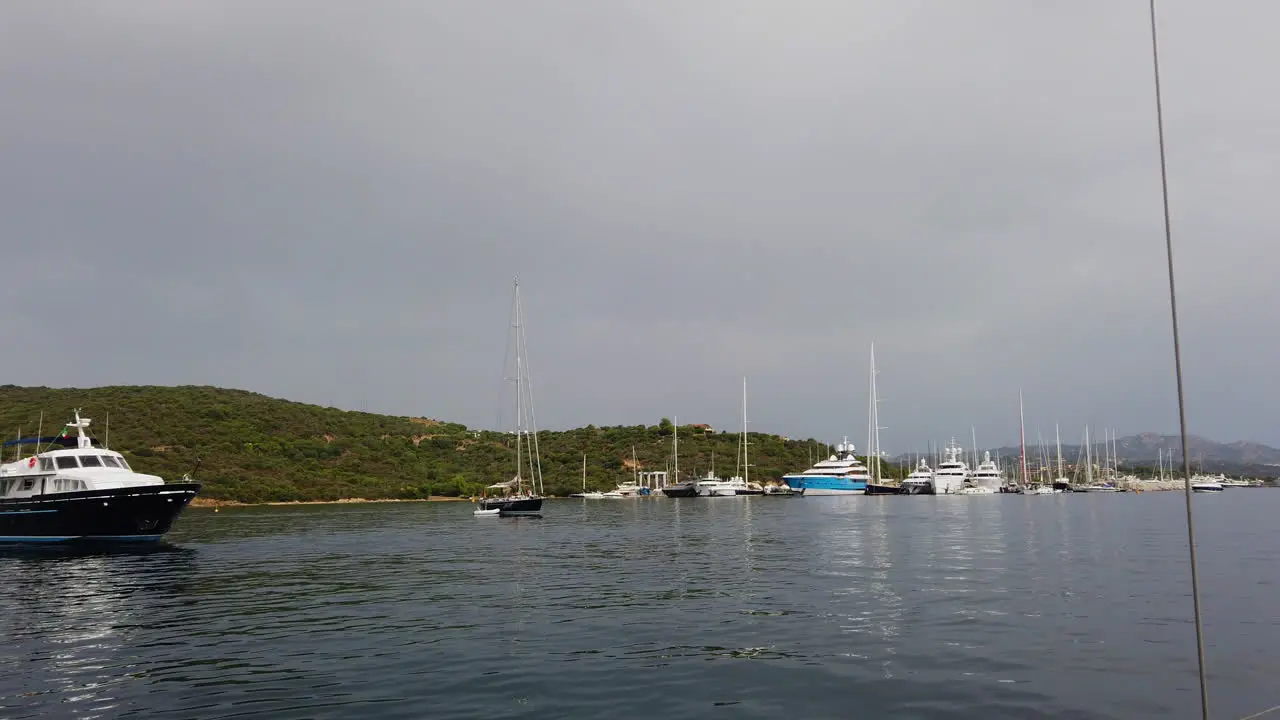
x: 217, y: 503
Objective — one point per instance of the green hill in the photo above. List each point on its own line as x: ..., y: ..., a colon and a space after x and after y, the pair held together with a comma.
x: 253, y: 448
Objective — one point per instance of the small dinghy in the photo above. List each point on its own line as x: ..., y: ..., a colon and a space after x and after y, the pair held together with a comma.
x: 483, y: 512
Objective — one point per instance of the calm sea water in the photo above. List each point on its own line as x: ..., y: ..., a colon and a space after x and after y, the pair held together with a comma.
x: 897, y: 607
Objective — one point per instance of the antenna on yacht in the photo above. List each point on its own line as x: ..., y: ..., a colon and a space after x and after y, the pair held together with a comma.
x: 39, y: 431
x: 1177, y: 365
x: 82, y: 441
x: 106, y: 438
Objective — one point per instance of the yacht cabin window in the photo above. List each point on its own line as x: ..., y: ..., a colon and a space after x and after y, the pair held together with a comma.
x: 90, y: 461
x: 66, y: 462
x: 109, y: 461
x: 28, y: 484
x: 124, y: 464
x: 46, y: 464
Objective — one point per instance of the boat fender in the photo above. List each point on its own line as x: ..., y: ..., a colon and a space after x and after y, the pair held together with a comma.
x: 32, y: 462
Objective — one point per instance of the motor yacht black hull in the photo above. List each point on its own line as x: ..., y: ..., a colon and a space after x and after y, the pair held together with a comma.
x: 513, y: 506
x: 748, y: 492
x: 682, y: 490
x: 1064, y: 487
x: 133, y: 513
x: 919, y: 489
x: 874, y: 489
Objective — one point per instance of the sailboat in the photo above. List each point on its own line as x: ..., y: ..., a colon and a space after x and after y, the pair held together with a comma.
x: 594, y: 494
x: 712, y: 486
x: 679, y: 489
x: 1061, y: 484
x: 520, y: 495
x: 876, y: 484
x: 743, y: 485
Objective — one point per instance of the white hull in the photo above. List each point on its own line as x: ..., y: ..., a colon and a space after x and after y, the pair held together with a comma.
x: 947, y: 485
x: 1206, y: 488
x: 993, y: 482
x: 822, y: 491
x: 718, y: 492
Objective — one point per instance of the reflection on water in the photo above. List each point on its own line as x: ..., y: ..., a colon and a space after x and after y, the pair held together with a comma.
x: 901, y: 607
x: 75, y: 613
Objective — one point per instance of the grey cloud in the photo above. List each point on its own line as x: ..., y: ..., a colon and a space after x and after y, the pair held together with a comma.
x: 327, y: 202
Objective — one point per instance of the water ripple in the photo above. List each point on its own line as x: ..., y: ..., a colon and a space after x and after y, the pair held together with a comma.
x: 755, y: 607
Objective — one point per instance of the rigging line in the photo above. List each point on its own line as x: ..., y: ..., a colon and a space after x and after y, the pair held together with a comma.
x: 1177, y: 364
x: 1260, y: 714
x: 506, y: 360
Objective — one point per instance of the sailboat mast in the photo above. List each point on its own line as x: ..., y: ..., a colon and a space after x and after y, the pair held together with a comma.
x: 746, y: 466
x: 871, y: 417
x: 973, y: 433
x: 1057, y: 439
x: 1022, y: 431
x: 873, y: 423
x: 519, y: 391
x: 1115, y: 453
x: 675, y: 444
x: 1088, y: 458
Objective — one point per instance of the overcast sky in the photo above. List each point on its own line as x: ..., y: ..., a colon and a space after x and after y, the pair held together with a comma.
x: 327, y: 202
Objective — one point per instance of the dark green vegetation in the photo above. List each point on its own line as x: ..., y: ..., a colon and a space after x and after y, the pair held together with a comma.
x: 253, y: 448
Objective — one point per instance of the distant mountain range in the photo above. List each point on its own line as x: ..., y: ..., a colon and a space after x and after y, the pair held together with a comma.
x: 1234, y: 458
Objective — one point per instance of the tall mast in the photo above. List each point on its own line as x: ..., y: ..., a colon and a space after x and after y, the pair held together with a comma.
x: 1022, y: 431
x: 871, y: 417
x: 746, y: 466
x: 1057, y: 439
x: 1088, y: 458
x: 675, y: 444
x: 873, y: 423
x: 519, y: 389
x: 973, y: 432
x: 1115, y: 452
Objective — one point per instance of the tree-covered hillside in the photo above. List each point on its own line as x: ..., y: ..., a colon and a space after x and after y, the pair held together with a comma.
x: 253, y: 448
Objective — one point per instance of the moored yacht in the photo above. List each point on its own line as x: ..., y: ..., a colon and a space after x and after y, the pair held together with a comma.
x: 712, y: 486
x: 743, y: 487
x: 520, y: 496
x: 840, y: 474
x: 952, y: 473
x: 920, y: 481
x: 84, y: 491
x: 987, y: 474
x: 513, y: 498
x: 1207, y: 483
x: 686, y: 489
